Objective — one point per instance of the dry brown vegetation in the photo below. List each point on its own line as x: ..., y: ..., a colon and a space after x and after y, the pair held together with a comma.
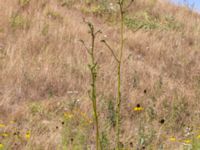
x: 44, y: 73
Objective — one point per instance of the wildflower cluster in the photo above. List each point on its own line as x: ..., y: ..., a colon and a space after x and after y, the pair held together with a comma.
x: 77, y: 112
x: 68, y: 115
x: 185, y: 141
x: 6, y: 133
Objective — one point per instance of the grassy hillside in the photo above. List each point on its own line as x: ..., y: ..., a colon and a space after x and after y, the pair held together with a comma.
x: 44, y: 77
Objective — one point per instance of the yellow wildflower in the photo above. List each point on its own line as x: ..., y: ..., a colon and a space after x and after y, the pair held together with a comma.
x: 4, y: 134
x: 2, y: 125
x: 12, y: 122
x: 1, y: 146
x: 28, y: 135
x: 198, y: 137
x: 187, y: 141
x: 172, y: 139
x: 68, y: 115
x: 138, y: 108
x: 83, y: 114
x: 86, y: 117
x: 90, y: 121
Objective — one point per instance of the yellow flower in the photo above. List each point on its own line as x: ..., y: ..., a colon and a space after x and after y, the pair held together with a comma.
x: 2, y: 125
x: 68, y: 115
x: 12, y: 122
x: 138, y: 108
x: 28, y: 135
x: 89, y: 121
x: 172, y: 139
x: 83, y: 114
x: 187, y: 141
x: 1, y: 146
x: 198, y: 137
x: 4, y: 134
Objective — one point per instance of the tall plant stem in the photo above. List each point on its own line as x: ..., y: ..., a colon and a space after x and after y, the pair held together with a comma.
x: 119, y: 60
x: 118, y: 104
x: 93, y: 86
x: 93, y: 71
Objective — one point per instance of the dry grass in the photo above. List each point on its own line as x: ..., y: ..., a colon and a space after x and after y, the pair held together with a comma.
x: 41, y: 61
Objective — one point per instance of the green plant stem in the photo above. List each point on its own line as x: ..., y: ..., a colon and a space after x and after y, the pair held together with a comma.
x: 94, y: 74
x: 119, y: 60
x: 118, y: 107
x: 93, y: 69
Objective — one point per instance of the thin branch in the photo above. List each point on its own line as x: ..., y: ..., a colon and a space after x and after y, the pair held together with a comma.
x: 92, y: 66
x: 112, y: 51
x: 127, y: 58
x: 90, y: 25
x: 129, y: 4
x: 99, y: 31
x: 89, y: 94
x: 120, y: 2
x: 87, y: 49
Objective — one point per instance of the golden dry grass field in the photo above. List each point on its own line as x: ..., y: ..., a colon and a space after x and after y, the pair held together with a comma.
x: 44, y: 75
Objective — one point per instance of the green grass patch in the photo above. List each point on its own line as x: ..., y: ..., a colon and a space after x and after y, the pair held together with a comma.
x: 147, y: 22
x: 54, y: 15
x: 19, y: 22
x: 23, y: 3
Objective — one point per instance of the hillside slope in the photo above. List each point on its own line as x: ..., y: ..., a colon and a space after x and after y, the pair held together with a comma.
x: 44, y: 77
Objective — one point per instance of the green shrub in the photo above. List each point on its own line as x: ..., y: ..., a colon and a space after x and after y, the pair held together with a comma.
x: 147, y: 22
x: 102, y: 8
x: 54, y: 15
x: 111, y: 113
x: 74, y: 131
x: 172, y: 23
x: 136, y: 24
x: 35, y: 108
x: 24, y: 2
x: 45, y: 29
x: 19, y: 22
x: 196, y: 144
x: 104, y: 141
x: 67, y: 2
